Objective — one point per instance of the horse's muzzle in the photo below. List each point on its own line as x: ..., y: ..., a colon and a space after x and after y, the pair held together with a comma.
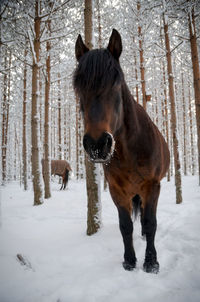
x: 100, y: 150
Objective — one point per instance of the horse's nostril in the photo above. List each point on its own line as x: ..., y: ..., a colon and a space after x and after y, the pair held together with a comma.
x: 109, y: 141
x: 104, y: 145
x: 88, y: 142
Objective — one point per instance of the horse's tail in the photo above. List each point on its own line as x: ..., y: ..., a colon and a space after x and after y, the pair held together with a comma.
x: 136, y: 205
x: 65, y: 178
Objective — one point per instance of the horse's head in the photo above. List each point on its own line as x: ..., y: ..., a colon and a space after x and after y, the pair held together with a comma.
x: 97, y: 81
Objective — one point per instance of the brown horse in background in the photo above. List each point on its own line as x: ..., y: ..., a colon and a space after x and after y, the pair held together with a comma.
x: 120, y: 134
x: 60, y: 168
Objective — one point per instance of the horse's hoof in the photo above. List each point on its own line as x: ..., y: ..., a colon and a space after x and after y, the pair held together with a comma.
x: 151, y: 267
x: 128, y: 266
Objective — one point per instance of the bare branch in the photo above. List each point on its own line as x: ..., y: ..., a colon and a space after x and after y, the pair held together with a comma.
x: 176, y: 46
x: 57, y: 37
x: 54, y: 10
x: 1, y: 14
x: 181, y: 37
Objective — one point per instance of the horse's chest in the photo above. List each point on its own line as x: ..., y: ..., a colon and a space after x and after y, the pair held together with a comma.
x: 122, y: 175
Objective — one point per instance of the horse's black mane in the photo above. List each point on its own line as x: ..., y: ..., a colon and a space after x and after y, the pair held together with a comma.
x: 97, y: 71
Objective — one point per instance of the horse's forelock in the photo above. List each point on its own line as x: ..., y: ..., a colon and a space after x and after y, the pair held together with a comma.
x: 97, y: 71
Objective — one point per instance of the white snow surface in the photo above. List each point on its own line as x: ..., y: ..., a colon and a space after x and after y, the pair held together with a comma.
x: 66, y: 265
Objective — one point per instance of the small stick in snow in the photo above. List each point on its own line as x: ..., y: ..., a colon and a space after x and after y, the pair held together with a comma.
x: 23, y: 261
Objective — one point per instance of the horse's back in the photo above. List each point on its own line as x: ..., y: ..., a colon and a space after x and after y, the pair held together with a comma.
x: 59, y: 166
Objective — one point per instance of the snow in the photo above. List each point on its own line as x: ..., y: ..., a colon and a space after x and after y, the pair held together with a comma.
x: 65, y: 265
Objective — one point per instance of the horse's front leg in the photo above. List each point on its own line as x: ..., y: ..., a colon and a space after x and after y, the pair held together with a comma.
x: 149, y: 204
x: 126, y: 228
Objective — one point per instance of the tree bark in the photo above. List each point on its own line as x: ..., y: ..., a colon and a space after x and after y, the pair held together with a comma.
x: 142, y: 68
x: 136, y: 78
x: 196, y: 76
x: 99, y: 24
x: 24, y: 138
x: 59, y: 118
x: 173, y: 116
x: 166, y: 112
x: 4, y: 117
x: 77, y: 137
x: 184, y: 128
x: 191, y: 134
x: 36, y: 164
x: 92, y: 177
x: 46, y: 168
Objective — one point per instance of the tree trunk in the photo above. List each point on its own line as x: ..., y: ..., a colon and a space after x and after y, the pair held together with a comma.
x: 36, y: 164
x: 136, y: 78
x: 59, y: 118
x: 93, y: 193
x: 191, y: 134
x: 142, y: 68
x: 184, y: 128
x: 40, y: 101
x: 92, y: 173
x: 46, y: 168
x: 166, y: 112
x: 4, y: 117
x: 173, y: 116
x: 196, y: 76
x: 69, y: 132
x: 99, y: 25
x: 77, y: 138
x: 53, y: 125
x: 24, y: 147
x: 5, y: 112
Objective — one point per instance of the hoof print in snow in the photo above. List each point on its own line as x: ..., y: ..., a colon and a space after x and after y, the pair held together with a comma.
x: 128, y: 266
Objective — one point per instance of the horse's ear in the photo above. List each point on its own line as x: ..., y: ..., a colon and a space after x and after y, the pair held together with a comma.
x: 115, y: 44
x: 80, y: 48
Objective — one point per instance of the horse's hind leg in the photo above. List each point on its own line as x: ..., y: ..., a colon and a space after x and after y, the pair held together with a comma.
x: 61, y: 186
x: 65, y: 179
x: 126, y: 228
x: 64, y: 185
x: 137, y: 207
x: 149, y: 225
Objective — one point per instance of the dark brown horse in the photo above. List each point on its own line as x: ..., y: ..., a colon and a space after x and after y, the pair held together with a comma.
x: 120, y: 134
x: 60, y: 168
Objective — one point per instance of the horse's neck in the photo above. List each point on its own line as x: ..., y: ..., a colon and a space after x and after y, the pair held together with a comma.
x: 131, y: 122
x: 127, y: 135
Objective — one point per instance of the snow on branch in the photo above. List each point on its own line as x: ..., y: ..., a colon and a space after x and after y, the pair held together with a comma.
x: 32, y: 47
x: 176, y: 46
x: 54, y: 10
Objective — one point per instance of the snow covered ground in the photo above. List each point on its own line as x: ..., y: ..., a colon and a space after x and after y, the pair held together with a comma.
x: 65, y: 265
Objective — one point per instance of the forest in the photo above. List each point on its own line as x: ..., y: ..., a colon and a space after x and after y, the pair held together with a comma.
x: 39, y: 109
x: 45, y: 253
